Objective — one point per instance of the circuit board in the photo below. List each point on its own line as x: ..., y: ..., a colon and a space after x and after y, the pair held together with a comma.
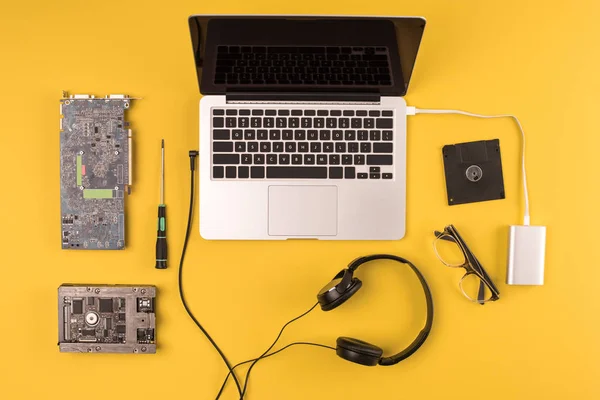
x: 95, y: 171
x: 106, y: 319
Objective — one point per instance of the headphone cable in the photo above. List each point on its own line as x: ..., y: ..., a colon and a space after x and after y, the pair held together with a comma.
x: 193, y: 155
x: 269, y: 355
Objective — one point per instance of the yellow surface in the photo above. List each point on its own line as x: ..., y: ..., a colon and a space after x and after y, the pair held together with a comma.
x: 536, y: 59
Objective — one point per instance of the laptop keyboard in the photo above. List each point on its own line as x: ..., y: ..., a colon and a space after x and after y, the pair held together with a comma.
x: 276, y: 65
x: 302, y: 144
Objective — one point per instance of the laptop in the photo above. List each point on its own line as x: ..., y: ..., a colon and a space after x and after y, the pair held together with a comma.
x: 303, y: 125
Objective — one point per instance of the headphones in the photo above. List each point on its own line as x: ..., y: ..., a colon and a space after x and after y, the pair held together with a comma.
x: 342, y: 287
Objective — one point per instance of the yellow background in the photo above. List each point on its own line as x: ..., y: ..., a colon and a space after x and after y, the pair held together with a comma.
x: 536, y: 59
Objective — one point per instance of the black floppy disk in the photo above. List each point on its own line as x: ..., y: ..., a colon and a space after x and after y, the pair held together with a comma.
x: 473, y: 172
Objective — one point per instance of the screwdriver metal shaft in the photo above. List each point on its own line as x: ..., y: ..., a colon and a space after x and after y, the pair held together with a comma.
x: 161, y: 235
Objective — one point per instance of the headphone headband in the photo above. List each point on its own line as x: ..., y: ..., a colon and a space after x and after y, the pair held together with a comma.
x: 422, y: 336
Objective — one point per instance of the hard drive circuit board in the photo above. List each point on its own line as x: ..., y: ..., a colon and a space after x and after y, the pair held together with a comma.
x: 95, y: 171
x: 107, y: 319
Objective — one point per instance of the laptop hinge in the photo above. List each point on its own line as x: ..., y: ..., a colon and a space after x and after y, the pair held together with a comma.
x: 299, y: 98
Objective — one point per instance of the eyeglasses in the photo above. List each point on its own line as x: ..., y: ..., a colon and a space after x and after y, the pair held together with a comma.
x: 476, y: 285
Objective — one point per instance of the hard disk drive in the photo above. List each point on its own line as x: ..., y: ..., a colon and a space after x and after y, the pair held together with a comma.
x: 106, y: 319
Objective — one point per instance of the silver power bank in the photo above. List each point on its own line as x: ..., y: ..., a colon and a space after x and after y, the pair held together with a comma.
x: 526, y: 250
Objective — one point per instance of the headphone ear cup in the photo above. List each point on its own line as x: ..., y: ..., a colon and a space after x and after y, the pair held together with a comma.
x: 329, y: 297
x: 357, y: 351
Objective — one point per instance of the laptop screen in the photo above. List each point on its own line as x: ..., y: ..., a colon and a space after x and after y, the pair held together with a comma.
x: 305, y: 53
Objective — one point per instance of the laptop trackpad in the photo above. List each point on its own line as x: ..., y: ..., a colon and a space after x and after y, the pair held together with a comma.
x: 303, y: 210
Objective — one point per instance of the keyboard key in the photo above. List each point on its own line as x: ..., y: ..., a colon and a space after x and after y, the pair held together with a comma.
x: 374, y: 176
x: 272, y: 159
x: 297, y: 159
x: 249, y: 134
x: 243, y: 172
x: 230, y: 172
x: 359, y: 159
x: 344, y: 123
x: 306, y: 122
x: 240, y: 147
x: 387, y: 135
x: 274, y: 134
x: 283, y: 112
x: 309, y: 159
x: 340, y: 147
x: 257, y: 172
x: 253, y: 147
x: 246, y: 158
x: 322, y: 113
x: 349, y: 172
x: 296, y: 112
x: 265, y: 147
x: 374, y: 170
x: 382, y: 147
x: 257, y: 112
x: 315, y: 147
x: 226, y: 158
x: 256, y: 122
x: 281, y: 122
x: 221, y: 134
x: 328, y: 147
x: 270, y: 112
x: 319, y: 122
x: 383, y: 123
x: 218, y: 172
x: 218, y: 122
x: 363, y: 175
x: 218, y: 112
x: 231, y: 112
x: 356, y: 123
x: 284, y: 159
x: 370, y: 123
x: 288, y: 135
x: 259, y: 159
x: 290, y: 147
x: 237, y: 134
x: 379, y: 160
x: 299, y: 135
x: 294, y: 122
x: 303, y: 147
x: 352, y: 147
x: 331, y: 123
x: 365, y: 147
x: 350, y: 135
x: 374, y: 113
x: 313, y: 135
x: 262, y: 134
x: 375, y: 135
x: 334, y: 159
x: 363, y: 135
x: 325, y: 135
x: 348, y: 113
x: 347, y: 159
x: 387, y: 113
x: 222, y: 147
x: 336, y: 172
x: 322, y: 159
x: 335, y: 113
x: 387, y: 176
x: 297, y: 172
x: 244, y: 122
x: 338, y: 135
x: 230, y: 122
x: 269, y: 122
x: 278, y: 147
x: 244, y: 112
x: 361, y: 113
x: 309, y: 113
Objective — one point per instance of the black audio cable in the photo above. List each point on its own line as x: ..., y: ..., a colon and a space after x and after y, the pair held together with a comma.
x: 193, y: 154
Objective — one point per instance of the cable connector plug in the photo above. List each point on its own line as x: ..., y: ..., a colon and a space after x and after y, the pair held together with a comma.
x: 193, y: 154
x: 410, y: 110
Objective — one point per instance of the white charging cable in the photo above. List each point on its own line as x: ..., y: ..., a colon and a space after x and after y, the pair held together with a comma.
x: 414, y: 110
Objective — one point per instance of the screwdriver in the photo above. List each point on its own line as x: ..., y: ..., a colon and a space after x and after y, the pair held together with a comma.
x: 161, y: 234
